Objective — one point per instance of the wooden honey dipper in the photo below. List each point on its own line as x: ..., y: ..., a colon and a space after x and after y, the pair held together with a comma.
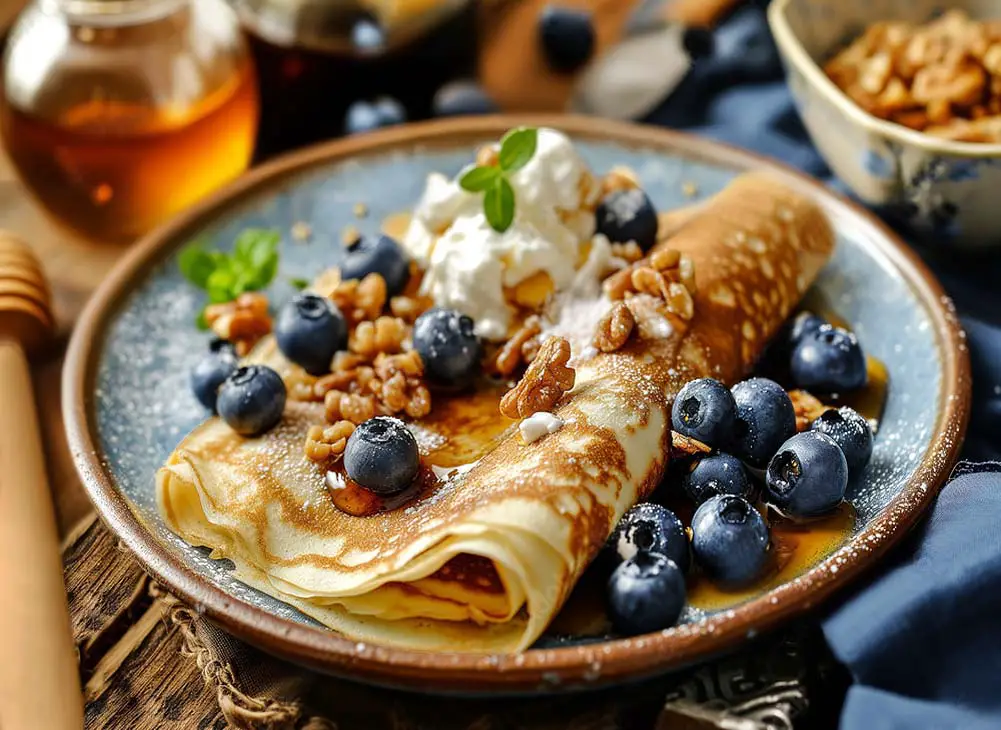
x: 39, y: 677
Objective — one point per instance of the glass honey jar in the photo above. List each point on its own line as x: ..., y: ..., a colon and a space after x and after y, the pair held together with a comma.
x: 118, y: 114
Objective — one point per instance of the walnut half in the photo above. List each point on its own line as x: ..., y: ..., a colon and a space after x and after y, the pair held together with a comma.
x: 544, y: 383
x: 614, y: 328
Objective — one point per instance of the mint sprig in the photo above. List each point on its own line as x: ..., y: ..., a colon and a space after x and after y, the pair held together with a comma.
x: 251, y: 267
x: 517, y: 147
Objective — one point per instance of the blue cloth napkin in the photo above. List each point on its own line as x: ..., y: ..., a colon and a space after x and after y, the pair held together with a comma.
x: 922, y: 638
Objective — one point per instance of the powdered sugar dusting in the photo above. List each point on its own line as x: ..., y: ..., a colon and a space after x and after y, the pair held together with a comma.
x: 143, y: 405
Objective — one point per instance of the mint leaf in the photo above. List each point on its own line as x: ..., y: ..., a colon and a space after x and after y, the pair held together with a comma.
x: 498, y: 205
x: 221, y: 285
x: 256, y: 246
x: 517, y: 148
x: 479, y: 179
x: 298, y: 283
x: 265, y: 273
x: 200, y: 321
x: 196, y: 264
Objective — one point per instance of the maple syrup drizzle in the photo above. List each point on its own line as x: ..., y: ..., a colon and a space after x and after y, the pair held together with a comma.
x: 469, y: 425
x: 462, y: 427
x: 353, y: 499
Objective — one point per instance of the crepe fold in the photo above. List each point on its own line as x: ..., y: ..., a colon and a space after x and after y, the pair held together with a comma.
x: 485, y: 561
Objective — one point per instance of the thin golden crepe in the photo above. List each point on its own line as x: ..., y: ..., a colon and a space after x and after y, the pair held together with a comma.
x: 485, y: 562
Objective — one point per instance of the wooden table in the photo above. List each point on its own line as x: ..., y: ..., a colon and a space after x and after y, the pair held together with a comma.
x: 110, y: 650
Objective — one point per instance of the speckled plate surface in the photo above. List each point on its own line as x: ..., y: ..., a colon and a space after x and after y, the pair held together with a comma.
x: 127, y: 401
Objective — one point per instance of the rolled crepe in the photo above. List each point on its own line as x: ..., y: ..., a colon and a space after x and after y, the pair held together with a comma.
x: 485, y: 561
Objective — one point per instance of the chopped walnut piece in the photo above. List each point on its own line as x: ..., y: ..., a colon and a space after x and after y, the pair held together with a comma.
x: 619, y: 177
x: 530, y: 349
x: 402, y: 394
x: 299, y: 385
x: 488, y: 156
x: 665, y: 259
x: 808, y: 408
x: 351, y: 407
x: 511, y: 354
x: 360, y: 300
x: 618, y: 284
x: 686, y: 271
x: 544, y: 383
x: 929, y: 77
x: 648, y: 280
x: 242, y: 322
x: 327, y: 282
x: 333, y: 381
x: 614, y: 328
x: 409, y: 308
x: 408, y: 363
x: 346, y: 361
x: 629, y: 252
x: 385, y: 334
x: 325, y: 444
x: 682, y: 446
x: 679, y: 301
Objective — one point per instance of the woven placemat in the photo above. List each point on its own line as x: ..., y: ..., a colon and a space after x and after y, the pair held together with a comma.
x: 148, y: 661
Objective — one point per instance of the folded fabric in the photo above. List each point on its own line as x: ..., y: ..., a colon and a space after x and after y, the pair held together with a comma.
x: 920, y: 638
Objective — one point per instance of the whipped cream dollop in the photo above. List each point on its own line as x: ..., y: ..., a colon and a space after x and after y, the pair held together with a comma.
x: 538, y: 425
x: 470, y: 267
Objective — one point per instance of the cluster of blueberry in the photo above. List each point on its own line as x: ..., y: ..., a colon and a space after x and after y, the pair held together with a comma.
x: 567, y: 39
x: 381, y: 454
x: 752, y: 431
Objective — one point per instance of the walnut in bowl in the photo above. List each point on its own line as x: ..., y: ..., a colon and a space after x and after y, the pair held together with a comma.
x: 904, y: 105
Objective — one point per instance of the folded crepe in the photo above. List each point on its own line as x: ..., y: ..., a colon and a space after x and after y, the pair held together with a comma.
x: 485, y: 561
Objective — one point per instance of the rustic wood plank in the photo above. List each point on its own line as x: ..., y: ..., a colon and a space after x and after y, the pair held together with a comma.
x: 131, y: 659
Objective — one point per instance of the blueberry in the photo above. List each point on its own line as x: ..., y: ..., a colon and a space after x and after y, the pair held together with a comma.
x: 628, y: 215
x: 461, y: 98
x: 705, y: 410
x: 765, y: 419
x: 367, y: 36
x: 804, y: 323
x: 309, y: 330
x: 808, y: 475
x: 252, y: 400
x: 365, y: 116
x: 381, y: 455
x: 211, y: 371
x: 851, y: 432
x: 717, y: 474
x: 567, y: 37
x: 361, y: 117
x: 646, y: 593
x: 450, y: 349
x: 730, y: 540
x: 649, y: 527
x: 390, y: 111
x: 379, y: 254
x: 828, y: 360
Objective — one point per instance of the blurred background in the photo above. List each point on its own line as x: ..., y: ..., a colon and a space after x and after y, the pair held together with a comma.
x: 117, y: 114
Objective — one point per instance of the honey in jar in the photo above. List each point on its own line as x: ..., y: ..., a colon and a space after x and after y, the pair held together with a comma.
x: 120, y: 113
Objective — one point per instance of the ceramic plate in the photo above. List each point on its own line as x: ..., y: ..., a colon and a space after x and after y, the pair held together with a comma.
x: 127, y: 402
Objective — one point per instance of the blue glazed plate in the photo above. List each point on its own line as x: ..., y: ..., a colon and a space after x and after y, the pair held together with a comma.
x: 127, y: 402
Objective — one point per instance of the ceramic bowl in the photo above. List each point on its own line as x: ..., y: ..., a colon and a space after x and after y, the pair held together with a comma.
x: 948, y: 189
x: 127, y: 401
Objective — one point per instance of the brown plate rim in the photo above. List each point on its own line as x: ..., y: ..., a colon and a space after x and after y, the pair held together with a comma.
x: 587, y: 665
